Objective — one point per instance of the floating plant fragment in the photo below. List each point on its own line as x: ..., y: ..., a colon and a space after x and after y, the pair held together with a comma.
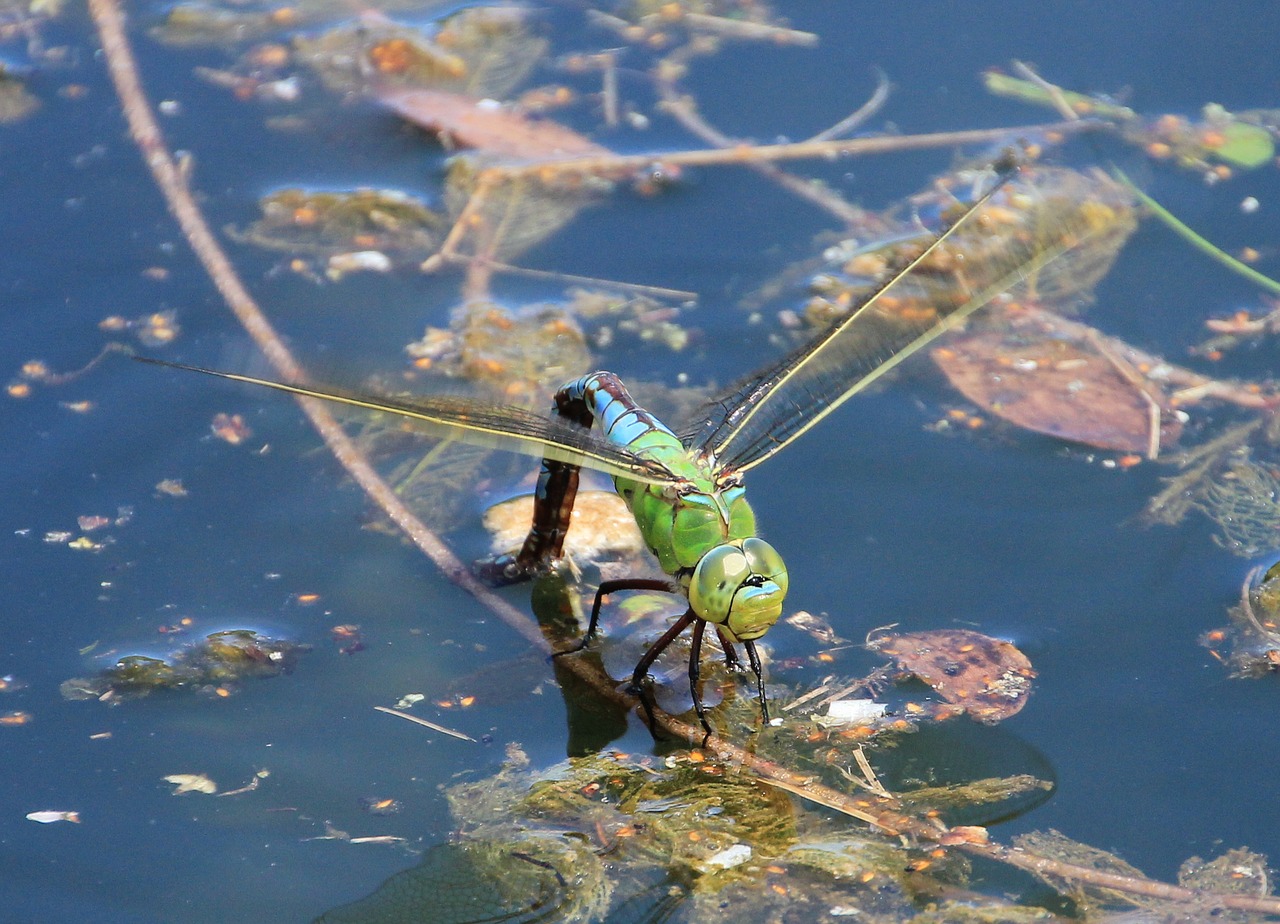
x: 210, y: 665
x: 330, y: 222
x: 1234, y: 479
x: 484, y: 51
x: 1240, y: 140
x: 1235, y: 872
x: 986, y: 677
x: 49, y: 816
x: 184, y: 783
x: 1072, y: 391
x: 1251, y: 641
x: 1088, y: 215
x: 16, y: 103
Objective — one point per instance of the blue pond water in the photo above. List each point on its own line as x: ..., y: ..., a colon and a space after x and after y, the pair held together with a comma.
x: 1157, y: 755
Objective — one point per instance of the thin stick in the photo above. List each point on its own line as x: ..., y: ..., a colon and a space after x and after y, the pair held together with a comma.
x: 1141, y: 385
x: 431, y: 725
x: 755, y: 31
x: 146, y: 134
x: 798, y: 150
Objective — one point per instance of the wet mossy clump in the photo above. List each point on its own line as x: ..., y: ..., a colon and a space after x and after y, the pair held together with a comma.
x: 214, y: 665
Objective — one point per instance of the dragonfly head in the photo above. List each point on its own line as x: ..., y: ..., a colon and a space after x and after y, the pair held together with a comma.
x: 739, y: 586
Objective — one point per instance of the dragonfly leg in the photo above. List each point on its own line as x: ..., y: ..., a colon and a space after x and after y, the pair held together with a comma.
x: 754, y: 657
x: 730, y: 653
x: 695, y: 673
x: 606, y: 588
x: 641, y: 672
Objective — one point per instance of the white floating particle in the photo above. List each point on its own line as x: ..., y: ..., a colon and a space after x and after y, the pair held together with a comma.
x: 49, y: 816
x: 854, y: 711
x: 1249, y: 205
x: 730, y: 857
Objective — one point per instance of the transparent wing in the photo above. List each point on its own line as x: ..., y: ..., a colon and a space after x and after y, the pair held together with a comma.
x: 495, y: 426
x: 929, y: 294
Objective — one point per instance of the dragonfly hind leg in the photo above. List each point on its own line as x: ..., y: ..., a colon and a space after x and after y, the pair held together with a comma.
x: 610, y: 587
x: 641, y: 673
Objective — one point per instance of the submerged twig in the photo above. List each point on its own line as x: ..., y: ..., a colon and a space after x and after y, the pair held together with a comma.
x: 431, y: 725
x: 859, y: 116
x: 685, y: 111
x: 875, y: 810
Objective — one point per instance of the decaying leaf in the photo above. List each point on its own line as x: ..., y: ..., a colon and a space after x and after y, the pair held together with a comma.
x: 1062, y: 389
x: 989, y: 678
x: 191, y: 782
x: 487, y: 126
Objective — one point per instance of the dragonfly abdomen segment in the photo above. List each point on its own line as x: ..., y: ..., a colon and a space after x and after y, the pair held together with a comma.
x: 598, y: 396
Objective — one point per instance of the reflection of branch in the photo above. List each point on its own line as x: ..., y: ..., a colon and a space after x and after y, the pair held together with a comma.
x: 685, y: 111
x: 876, y: 810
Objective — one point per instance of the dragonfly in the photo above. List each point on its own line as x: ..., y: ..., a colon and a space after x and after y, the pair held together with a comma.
x: 686, y: 491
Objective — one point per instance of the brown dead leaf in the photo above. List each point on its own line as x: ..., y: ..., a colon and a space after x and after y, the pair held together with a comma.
x: 487, y: 125
x: 989, y: 678
x: 1057, y: 387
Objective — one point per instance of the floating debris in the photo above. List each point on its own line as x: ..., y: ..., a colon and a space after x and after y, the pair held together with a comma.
x: 219, y: 660
x: 171, y: 487
x: 49, y: 816
x: 377, y: 805
x: 1072, y: 391
x: 488, y: 126
x: 230, y: 428
x: 986, y: 677
x: 184, y: 783
x: 341, y: 224
x: 483, y: 51
x: 1250, y: 644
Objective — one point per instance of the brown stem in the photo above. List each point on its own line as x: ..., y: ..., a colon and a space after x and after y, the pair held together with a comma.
x: 875, y: 810
x: 798, y: 150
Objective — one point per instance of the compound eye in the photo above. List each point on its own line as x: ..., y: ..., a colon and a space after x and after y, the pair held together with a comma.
x: 764, y: 560
x: 716, y: 579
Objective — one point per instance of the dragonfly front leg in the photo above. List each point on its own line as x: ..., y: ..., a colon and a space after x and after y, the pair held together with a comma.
x: 754, y: 657
x: 730, y: 653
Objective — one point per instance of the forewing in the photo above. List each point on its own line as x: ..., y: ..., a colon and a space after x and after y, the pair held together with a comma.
x: 767, y: 411
x: 495, y: 426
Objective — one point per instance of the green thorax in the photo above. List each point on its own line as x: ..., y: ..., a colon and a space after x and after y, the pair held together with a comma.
x: 681, y: 523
